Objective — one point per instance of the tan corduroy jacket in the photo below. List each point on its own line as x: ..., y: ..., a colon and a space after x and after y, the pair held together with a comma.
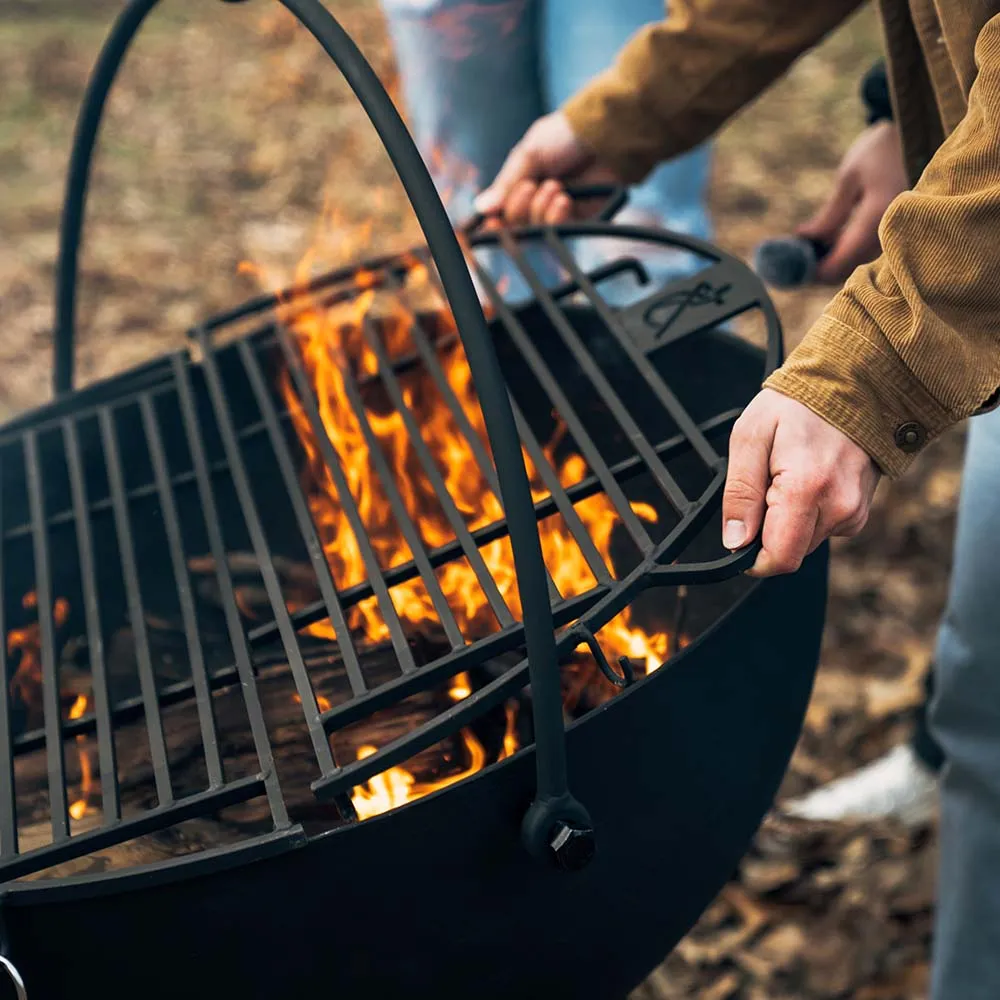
x: 912, y: 343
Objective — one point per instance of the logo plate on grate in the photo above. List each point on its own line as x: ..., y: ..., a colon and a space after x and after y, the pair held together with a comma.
x: 704, y: 300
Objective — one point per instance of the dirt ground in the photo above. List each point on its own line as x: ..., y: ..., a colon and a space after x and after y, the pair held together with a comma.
x: 223, y: 132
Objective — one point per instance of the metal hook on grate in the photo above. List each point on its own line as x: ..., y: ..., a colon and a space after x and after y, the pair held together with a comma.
x: 556, y: 827
x: 585, y: 636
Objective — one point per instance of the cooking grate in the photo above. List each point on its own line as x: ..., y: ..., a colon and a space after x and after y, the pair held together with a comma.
x: 197, y: 442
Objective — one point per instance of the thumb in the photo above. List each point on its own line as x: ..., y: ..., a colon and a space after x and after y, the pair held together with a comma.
x: 747, y: 479
x: 831, y: 218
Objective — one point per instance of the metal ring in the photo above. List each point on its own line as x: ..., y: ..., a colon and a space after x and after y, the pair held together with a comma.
x: 15, y: 976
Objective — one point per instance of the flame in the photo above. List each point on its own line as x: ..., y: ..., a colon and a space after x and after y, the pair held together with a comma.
x: 81, y: 806
x: 333, y: 346
x: 26, y: 683
x: 510, y: 741
x: 397, y: 786
x: 333, y: 340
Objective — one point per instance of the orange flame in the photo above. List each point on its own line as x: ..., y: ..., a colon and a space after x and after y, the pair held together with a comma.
x: 510, y: 742
x: 80, y: 807
x: 334, y: 344
x: 397, y: 786
x: 26, y: 683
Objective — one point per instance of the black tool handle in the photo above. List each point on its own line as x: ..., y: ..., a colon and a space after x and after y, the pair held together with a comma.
x: 615, y: 198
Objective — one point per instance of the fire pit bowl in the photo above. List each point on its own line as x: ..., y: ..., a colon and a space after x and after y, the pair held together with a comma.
x: 383, y: 643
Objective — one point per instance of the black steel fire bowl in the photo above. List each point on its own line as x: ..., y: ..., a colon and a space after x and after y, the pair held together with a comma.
x: 507, y: 883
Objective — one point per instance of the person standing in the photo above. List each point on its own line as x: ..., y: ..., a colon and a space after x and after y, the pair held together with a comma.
x: 474, y: 74
x: 908, y: 348
x: 902, y: 784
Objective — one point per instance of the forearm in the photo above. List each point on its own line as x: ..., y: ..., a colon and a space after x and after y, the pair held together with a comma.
x: 678, y: 81
x: 912, y: 343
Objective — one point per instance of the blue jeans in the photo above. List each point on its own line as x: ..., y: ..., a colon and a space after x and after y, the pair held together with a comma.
x: 965, y: 719
x: 475, y: 74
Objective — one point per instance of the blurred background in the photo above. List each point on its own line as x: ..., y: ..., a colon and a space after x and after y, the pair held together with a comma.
x: 228, y: 133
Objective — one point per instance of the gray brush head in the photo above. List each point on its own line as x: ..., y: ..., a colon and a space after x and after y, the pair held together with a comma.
x: 786, y: 262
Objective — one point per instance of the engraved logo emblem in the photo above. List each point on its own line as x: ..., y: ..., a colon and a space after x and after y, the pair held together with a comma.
x: 664, y: 313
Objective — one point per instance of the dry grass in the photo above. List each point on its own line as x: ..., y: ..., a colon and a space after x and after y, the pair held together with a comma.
x: 222, y: 134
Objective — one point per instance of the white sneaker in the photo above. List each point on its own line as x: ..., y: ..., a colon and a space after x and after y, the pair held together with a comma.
x: 897, y: 786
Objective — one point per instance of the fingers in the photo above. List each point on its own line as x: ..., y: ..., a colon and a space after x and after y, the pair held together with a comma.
x: 519, y: 168
x: 856, y: 244
x: 795, y: 480
x: 789, y: 528
x: 546, y: 203
x: 747, y: 479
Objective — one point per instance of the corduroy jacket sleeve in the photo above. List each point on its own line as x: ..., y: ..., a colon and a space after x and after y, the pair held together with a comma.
x: 912, y: 343
x: 676, y: 82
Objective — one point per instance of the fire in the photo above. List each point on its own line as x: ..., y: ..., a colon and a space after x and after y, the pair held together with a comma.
x: 510, y: 742
x: 397, y: 786
x: 80, y: 807
x: 26, y: 685
x: 334, y: 345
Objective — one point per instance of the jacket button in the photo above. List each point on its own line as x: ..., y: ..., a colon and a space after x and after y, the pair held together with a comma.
x: 910, y: 437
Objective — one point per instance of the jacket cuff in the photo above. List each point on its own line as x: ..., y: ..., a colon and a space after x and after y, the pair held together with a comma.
x: 856, y: 382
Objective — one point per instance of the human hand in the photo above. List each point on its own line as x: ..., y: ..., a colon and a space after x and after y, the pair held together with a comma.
x: 529, y: 186
x: 871, y: 175
x: 795, y: 480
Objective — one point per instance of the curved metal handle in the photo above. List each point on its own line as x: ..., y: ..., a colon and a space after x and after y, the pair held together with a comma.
x: 554, y: 806
x: 615, y: 195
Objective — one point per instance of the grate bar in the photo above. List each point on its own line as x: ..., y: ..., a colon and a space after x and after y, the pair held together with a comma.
x: 137, y: 618
x: 100, y: 687
x: 8, y: 814
x: 68, y: 516
x: 467, y: 659
x: 565, y: 409
x: 175, y: 543
x: 411, y: 533
x: 51, y: 708
x: 317, y: 556
x: 545, y: 470
x: 241, y: 648
x: 500, y: 688
x: 465, y: 539
x: 375, y: 576
x: 483, y: 536
x: 432, y: 363
x: 560, y: 498
x: 670, y: 402
x: 159, y: 818
x: 426, y: 735
x: 592, y: 370
x: 241, y: 481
